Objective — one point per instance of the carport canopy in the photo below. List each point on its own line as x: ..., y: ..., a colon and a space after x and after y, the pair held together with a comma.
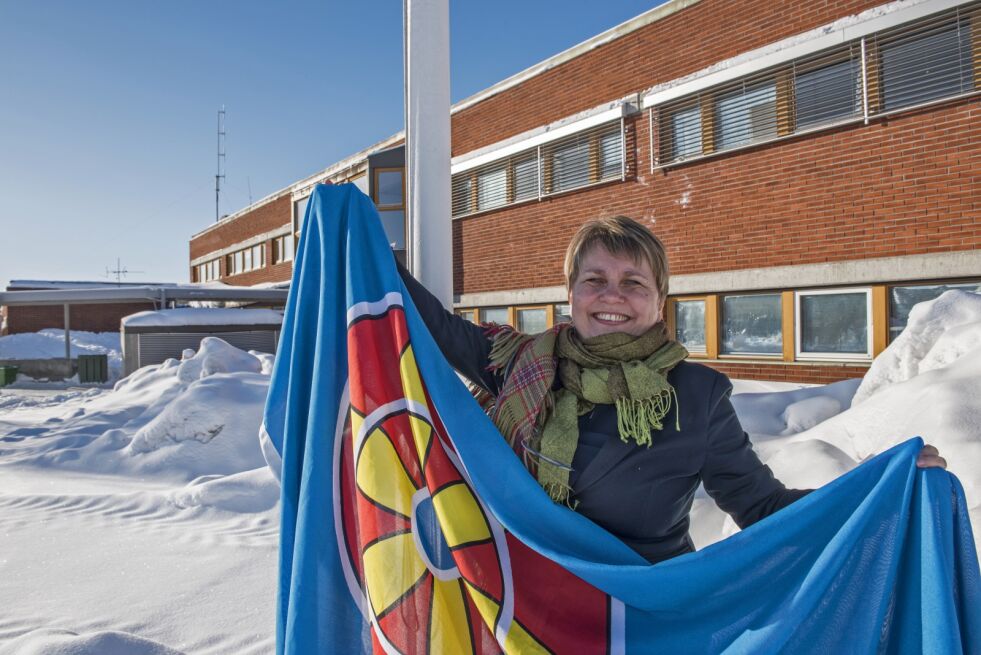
x: 154, y: 294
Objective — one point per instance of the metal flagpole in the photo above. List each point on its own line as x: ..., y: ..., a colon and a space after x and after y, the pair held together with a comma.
x: 427, y: 149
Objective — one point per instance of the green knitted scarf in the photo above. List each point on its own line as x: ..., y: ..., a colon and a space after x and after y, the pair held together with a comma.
x: 620, y: 369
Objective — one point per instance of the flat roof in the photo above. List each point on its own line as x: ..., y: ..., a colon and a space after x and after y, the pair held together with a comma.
x: 80, y: 284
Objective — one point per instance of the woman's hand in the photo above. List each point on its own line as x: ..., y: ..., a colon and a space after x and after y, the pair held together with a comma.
x: 929, y: 457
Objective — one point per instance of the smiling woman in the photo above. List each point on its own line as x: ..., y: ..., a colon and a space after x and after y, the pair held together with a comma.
x: 622, y: 292
x: 604, y: 411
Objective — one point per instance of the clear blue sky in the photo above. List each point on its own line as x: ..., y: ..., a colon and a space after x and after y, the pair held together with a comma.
x: 108, y: 110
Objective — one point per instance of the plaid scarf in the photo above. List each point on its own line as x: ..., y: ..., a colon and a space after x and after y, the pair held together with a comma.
x: 542, y: 425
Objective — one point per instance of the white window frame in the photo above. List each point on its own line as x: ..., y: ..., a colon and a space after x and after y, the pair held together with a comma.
x: 839, y: 357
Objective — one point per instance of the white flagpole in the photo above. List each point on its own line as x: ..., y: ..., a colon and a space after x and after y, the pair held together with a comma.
x: 427, y: 148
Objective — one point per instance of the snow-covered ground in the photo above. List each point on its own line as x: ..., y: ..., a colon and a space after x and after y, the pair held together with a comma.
x: 50, y: 343
x: 142, y: 520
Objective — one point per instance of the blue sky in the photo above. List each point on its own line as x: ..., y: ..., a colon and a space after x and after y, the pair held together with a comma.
x: 108, y: 110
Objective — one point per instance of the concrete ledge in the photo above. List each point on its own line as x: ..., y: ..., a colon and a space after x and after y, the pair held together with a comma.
x: 908, y: 268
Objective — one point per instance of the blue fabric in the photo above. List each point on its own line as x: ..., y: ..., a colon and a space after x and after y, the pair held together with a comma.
x: 880, y: 560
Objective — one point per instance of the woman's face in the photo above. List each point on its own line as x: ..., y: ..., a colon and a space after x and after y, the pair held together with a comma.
x: 613, y: 294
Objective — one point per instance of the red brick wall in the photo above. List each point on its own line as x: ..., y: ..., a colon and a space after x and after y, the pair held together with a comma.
x: 682, y: 43
x: 89, y: 318
x: 262, y: 219
x: 904, y: 185
x: 809, y: 373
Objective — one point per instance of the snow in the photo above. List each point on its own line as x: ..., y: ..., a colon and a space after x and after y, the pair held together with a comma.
x: 203, y: 316
x: 50, y: 343
x: 142, y: 519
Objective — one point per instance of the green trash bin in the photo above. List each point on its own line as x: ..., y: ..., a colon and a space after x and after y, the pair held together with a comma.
x: 93, y: 368
x: 8, y: 374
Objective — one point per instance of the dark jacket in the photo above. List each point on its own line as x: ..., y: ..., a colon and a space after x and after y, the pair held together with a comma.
x: 642, y: 495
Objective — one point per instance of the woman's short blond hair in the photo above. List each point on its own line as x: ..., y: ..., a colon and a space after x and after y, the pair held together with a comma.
x: 619, y: 235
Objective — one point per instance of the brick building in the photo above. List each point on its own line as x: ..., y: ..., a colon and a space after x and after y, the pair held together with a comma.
x: 813, y: 169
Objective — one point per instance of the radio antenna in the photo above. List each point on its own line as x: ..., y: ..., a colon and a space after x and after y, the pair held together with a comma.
x: 220, y: 173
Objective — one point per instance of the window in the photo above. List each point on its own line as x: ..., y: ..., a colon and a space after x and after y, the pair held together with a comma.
x: 283, y: 249
x: 827, y: 92
x: 494, y: 315
x: 926, y: 63
x: 834, y: 324
x: 922, y: 61
x: 492, y: 188
x: 563, y: 313
x: 208, y: 271
x: 570, y: 165
x: 248, y: 259
x: 747, y: 114
x: 300, y: 211
x: 684, y: 135
x: 526, y: 178
x: 390, y: 200
x: 462, y: 190
x: 591, y: 156
x: 388, y: 188
x: 903, y: 299
x: 394, y: 224
x: 610, y: 155
x: 689, y: 325
x: 468, y: 314
x: 751, y: 325
x: 532, y: 320
x: 258, y: 256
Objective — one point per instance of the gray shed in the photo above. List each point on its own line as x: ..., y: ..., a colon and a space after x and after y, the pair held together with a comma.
x: 155, y: 336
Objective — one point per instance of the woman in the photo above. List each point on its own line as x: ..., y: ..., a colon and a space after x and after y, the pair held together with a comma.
x: 605, y: 411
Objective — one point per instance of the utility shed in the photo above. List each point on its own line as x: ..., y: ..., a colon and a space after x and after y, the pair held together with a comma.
x: 152, y: 337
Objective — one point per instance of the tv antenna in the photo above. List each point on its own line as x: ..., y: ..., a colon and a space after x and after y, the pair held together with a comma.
x: 119, y: 271
x: 220, y: 173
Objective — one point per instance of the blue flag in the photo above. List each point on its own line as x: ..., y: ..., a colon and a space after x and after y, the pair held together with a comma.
x: 410, y: 526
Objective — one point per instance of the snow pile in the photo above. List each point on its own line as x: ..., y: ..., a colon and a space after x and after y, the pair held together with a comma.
x: 63, y: 642
x: 938, y: 334
x: 145, y: 513
x: 50, y: 344
x: 177, y: 420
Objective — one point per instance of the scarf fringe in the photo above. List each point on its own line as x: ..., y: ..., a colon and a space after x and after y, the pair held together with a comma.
x: 507, y: 343
x: 560, y: 493
x: 637, y: 418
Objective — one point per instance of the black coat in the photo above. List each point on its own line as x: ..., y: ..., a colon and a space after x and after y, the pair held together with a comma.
x: 642, y: 495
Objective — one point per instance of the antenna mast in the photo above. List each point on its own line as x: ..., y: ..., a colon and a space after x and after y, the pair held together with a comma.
x: 119, y: 271
x: 220, y: 173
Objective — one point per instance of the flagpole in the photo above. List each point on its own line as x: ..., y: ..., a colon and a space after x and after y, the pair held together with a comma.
x: 427, y: 148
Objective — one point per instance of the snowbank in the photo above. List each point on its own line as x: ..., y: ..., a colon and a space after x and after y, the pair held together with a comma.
x: 63, y: 642
x: 177, y: 420
x: 142, y: 519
